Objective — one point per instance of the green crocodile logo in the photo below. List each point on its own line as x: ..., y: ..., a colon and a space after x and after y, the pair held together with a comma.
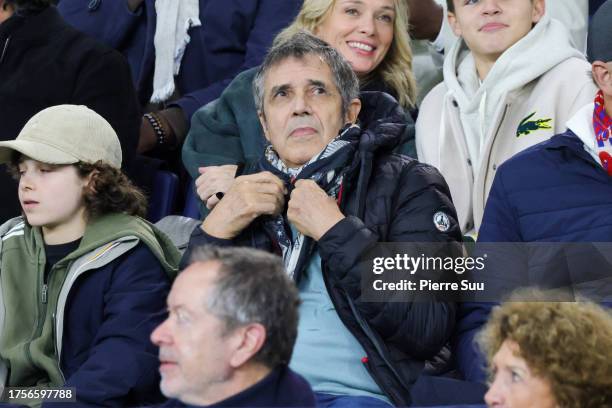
x: 528, y: 126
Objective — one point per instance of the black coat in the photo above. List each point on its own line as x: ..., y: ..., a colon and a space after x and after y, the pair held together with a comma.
x: 44, y: 62
x: 388, y: 198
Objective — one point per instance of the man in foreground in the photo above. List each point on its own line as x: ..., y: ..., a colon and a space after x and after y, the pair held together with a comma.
x: 230, y: 332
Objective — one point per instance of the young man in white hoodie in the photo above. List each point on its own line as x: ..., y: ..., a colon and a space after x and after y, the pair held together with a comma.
x: 512, y: 80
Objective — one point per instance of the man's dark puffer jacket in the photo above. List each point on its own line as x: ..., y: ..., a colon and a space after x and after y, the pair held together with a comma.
x: 387, y: 198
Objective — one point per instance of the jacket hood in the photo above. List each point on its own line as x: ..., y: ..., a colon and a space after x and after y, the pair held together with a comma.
x: 113, y: 227
x: 480, y: 102
x: 545, y: 46
x: 382, y: 121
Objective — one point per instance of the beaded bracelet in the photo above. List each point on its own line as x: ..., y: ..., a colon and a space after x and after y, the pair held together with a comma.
x: 158, y: 127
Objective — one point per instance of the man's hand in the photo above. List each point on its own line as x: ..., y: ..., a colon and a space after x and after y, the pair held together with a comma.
x: 248, y: 198
x: 311, y: 210
x: 212, y: 180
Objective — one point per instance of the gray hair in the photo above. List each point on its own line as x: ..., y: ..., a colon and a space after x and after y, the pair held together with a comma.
x: 253, y: 287
x: 299, y: 45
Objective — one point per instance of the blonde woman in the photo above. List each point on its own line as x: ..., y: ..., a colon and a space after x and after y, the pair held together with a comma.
x: 372, y: 35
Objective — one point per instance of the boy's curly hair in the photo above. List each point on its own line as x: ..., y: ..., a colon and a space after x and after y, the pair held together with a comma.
x: 567, y: 343
x: 110, y: 191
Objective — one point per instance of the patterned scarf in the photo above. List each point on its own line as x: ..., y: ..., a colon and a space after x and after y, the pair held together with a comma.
x: 602, y: 123
x: 327, y: 169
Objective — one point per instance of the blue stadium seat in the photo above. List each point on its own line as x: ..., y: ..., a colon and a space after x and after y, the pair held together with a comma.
x: 192, y: 203
x: 163, y: 197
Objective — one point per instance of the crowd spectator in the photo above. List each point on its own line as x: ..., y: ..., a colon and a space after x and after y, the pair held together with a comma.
x: 182, y: 53
x: 45, y: 62
x: 321, y: 196
x: 371, y: 34
x: 548, y: 354
x: 512, y: 80
x: 229, y: 336
x: 83, y: 277
x: 432, y: 35
x: 556, y: 191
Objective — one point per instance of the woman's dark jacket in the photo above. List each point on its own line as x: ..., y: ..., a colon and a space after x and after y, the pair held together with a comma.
x: 386, y: 198
x: 45, y: 62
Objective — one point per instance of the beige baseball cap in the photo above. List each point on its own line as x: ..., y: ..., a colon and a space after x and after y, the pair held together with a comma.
x: 66, y: 134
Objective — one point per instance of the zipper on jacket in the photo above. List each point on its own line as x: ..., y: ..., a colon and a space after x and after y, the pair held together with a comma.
x: 501, y: 122
x: 43, y: 293
x: 42, y: 314
x: 45, y: 287
x: 6, y: 44
x: 366, y: 364
x: 368, y: 331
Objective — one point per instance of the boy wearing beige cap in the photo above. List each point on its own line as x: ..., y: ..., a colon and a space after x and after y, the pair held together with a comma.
x: 83, y: 278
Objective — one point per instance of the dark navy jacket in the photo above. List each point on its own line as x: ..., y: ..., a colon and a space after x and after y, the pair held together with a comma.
x: 281, y: 388
x: 128, y: 288
x: 386, y: 198
x: 234, y: 36
x: 551, y: 192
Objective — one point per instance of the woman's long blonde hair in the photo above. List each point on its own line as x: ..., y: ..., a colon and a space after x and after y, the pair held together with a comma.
x: 395, y: 70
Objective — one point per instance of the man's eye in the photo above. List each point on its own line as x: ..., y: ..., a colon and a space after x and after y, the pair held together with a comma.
x: 280, y: 94
x: 181, y: 317
x: 468, y: 2
x: 319, y: 91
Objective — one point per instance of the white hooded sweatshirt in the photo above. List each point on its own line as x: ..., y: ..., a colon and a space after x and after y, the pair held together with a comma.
x: 467, y: 127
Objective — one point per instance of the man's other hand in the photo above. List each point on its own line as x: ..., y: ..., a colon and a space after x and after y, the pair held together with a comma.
x: 311, y: 210
x: 247, y: 198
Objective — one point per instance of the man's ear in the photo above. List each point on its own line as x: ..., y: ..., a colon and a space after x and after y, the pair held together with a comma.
x: 539, y: 9
x: 250, y: 340
x: 264, y: 125
x: 454, y: 24
x: 602, y: 75
x: 353, y: 111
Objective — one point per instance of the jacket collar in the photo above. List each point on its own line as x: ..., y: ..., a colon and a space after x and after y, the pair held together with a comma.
x: 280, y: 386
x: 571, y: 143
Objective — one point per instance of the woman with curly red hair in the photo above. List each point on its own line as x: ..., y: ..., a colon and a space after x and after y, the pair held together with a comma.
x: 549, y: 354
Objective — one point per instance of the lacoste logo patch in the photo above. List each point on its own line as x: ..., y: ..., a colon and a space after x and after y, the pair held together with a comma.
x: 528, y: 126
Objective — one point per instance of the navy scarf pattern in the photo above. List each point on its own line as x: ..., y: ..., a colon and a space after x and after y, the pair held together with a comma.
x: 327, y: 169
